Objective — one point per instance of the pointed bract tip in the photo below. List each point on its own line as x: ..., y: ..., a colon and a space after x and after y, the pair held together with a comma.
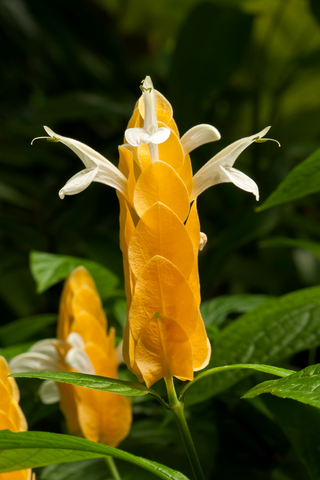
x: 61, y: 194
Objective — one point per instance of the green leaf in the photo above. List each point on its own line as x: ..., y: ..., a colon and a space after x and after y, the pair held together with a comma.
x: 95, y: 382
x: 21, y: 330
x: 303, y: 386
x: 38, y: 449
x: 281, y: 372
x: 215, y: 311
x: 301, y: 181
x: 49, y: 269
x: 313, y: 247
x: 266, y: 335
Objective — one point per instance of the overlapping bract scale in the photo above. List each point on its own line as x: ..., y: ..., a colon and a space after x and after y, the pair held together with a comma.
x: 100, y: 416
x: 11, y: 416
x: 159, y: 238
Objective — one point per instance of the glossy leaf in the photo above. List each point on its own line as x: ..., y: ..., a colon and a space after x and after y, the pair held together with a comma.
x: 266, y: 335
x: 303, y: 386
x: 49, y: 269
x: 90, y: 381
x: 301, y: 181
x: 215, y: 311
x: 38, y: 449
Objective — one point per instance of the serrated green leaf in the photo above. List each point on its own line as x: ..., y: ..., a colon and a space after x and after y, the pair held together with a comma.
x: 95, y: 382
x: 49, y: 269
x: 301, y: 181
x: 215, y: 311
x: 266, y: 335
x: 21, y: 330
x: 303, y: 386
x: 38, y: 449
x: 281, y: 372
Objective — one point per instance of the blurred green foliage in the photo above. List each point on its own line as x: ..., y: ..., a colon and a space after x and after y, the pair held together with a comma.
x: 238, y: 64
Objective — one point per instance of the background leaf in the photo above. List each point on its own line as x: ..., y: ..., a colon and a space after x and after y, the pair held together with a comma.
x: 267, y: 334
x: 37, y: 449
x: 301, y: 181
x: 215, y: 311
x: 48, y: 269
x: 21, y: 330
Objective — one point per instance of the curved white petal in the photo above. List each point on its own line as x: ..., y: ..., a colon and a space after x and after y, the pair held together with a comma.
x: 49, y: 393
x: 79, y: 360
x: 79, y: 182
x: 134, y: 136
x: 92, y: 159
x: 46, y: 347
x: 199, y: 135
x: 74, y: 339
x: 211, y: 173
x: 160, y: 135
x: 33, y: 362
x: 241, y: 180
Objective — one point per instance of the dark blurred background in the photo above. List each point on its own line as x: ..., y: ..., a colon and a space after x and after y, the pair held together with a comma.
x: 76, y: 66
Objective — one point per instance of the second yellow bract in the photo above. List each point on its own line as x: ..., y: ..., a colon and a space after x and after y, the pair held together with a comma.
x: 160, y: 238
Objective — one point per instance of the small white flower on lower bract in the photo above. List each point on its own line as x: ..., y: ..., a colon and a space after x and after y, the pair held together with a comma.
x: 220, y: 168
x: 150, y: 134
x: 98, y: 168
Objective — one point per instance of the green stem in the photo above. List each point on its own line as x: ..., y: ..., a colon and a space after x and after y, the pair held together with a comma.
x: 113, y: 468
x: 177, y: 409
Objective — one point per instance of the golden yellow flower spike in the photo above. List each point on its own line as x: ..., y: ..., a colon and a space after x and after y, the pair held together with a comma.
x: 159, y: 229
x: 160, y: 239
x: 102, y: 416
x: 11, y: 416
x: 84, y: 346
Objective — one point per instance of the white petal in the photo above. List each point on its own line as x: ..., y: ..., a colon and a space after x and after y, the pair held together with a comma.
x: 79, y: 360
x: 203, y: 241
x: 136, y: 136
x: 74, y: 339
x: 79, y: 182
x: 241, y: 180
x: 211, y: 173
x: 46, y: 347
x: 199, y: 135
x: 91, y: 159
x: 49, y: 393
x: 33, y: 362
x: 150, y: 115
x: 160, y: 135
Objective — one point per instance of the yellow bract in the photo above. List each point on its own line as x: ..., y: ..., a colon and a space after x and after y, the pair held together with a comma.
x: 100, y: 416
x: 11, y: 416
x: 159, y: 238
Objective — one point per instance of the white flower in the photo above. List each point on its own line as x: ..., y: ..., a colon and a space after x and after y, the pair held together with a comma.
x: 43, y: 355
x: 150, y: 134
x: 220, y: 168
x: 197, y: 136
x: 98, y: 168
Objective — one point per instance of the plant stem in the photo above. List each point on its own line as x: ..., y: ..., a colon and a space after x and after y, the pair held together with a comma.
x: 113, y: 468
x: 177, y: 409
